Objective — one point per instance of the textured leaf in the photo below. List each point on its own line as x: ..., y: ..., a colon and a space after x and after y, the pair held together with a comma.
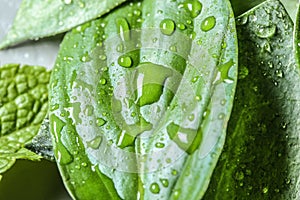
x: 241, y: 6
x: 37, y: 19
x: 140, y: 99
x: 261, y: 157
x: 23, y: 106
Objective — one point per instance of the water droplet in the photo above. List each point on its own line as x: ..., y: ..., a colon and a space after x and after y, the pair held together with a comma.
x: 177, y: 193
x: 100, y: 122
x: 95, y: 143
x: 125, y: 61
x: 239, y: 175
x: 243, y: 72
x: 181, y: 26
x: 120, y: 48
x: 123, y: 29
x: 279, y: 73
x: 154, y: 188
x: 102, y: 57
x: 224, y: 70
x: 164, y: 182
x: 191, y: 117
x: 266, y: 32
x: 67, y: 2
x: 198, y: 98
x: 208, y: 23
x: 159, y: 145
x: 265, y: 190
x: 194, y: 7
x: 242, y: 21
x: 63, y: 156
x: 54, y: 107
x: 173, y: 48
x: 221, y: 116
x: 167, y: 26
x: 174, y: 172
x: 103, y: 81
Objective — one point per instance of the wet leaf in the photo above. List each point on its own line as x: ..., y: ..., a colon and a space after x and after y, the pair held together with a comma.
x: 261, y: 156
x: 23, y: 106
x: 140, y: 99
x: 38, y: 19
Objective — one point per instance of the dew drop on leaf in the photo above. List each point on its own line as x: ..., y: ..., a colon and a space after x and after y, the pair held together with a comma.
x: 125, y: 61
x: 167, y: 26
x: 208, y: 23
x: 266, y: 32
x: 164, y: 182
x: 123, y: 29
x: 100, y: 122
x: 63, y: 155
x: 154, y: 188
x: 159, y: 145
x: 95, y: 143
x: 194, y: 7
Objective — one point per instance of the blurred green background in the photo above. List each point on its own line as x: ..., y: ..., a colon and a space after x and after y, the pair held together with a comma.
x: 28, y: 180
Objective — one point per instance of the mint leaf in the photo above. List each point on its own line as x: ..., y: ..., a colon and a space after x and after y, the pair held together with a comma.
x: 143, y: 95
x: 261, y: 157
x: 38, y: 19
x: 23, y: 106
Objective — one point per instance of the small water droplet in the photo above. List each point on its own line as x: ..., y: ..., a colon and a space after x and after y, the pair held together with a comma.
x: 208, y: 23
x: 239, y: 175
x: 159, y: 145
x: 181, y: 26
x: 191, y: 117
x: 194, y: 7
x: 125, y: 61
x: 174, y: 172
x: 177, y: 193
x: 102, y: 57
x: 173, y: 48
x: 265, y: 190
x: 100, y: 122
x: 63, y: 156
x: 242, y: 21
x: 154, y: 188
x: 167, y: 26
x: 164, y: 182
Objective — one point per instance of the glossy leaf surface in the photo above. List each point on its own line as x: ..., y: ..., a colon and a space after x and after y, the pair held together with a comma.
x: 140, y: 100
x: 261, y: 156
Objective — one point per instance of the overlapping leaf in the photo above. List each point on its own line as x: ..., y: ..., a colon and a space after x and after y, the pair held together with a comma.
x: 37, y: 19
x: 261, y: 157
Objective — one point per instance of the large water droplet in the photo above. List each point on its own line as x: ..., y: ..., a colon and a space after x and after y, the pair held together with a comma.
x: 125, y: 61
x: 154, y: 188
x: 95, y: 143
x: 123, y: 29
x: 266, y: 32
x: 194, y: 7
x: 167, y: 26
x: 208, y: 23
x: 63, y: 156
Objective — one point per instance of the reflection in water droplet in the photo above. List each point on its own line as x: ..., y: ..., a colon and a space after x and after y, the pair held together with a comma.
x: 125, y: 61
x: 154, y: 188
x: 208, y: 23
x: 167, y: 26
x: 194, y: 7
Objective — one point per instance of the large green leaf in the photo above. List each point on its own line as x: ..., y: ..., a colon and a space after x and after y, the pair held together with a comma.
x: 23, y: 106
x: 42, y: 18
x: 261, y: 157
x: 140, y: 99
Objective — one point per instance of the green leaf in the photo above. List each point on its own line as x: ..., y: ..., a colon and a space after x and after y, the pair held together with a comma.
x: 23, y: 106
x: 261, y: 156
x: 43, y: 18
x: 141, y: 94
